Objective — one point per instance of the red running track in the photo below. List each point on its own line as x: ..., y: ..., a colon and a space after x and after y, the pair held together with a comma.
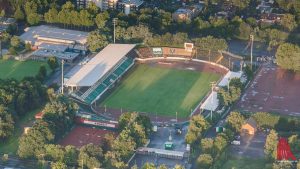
x: 284, y: 150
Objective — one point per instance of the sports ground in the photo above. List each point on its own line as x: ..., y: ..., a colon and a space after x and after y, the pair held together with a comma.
x: 19, y: 69
x: 161, y: 90
x: 273, y: 90
x: 80, y: 136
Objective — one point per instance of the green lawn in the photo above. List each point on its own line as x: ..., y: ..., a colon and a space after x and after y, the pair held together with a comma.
x: 246, y: 163
x: 161, y: 90
x: 18, y: 69
x: 11, y: 145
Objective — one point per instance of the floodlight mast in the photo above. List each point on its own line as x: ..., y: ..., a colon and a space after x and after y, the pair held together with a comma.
x: 62, y: 76
x: 251, y: 49
x: 114, y: 23
x: 211, y: 99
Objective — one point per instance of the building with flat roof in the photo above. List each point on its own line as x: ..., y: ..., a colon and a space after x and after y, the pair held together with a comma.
x: 129, y: 5
x: 37, y: 35
x: 52, y: 41
x: 95, y: 76
x: 187, y: 13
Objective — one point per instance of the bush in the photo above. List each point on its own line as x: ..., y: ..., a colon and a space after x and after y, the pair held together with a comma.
x: 204, y: 161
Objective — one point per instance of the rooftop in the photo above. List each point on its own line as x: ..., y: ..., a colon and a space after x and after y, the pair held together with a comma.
x: 99, y: 65
x: 43, y: 31
x: 132, y: 2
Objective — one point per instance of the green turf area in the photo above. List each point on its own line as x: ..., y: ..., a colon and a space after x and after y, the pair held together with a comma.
x: 18, y: 69
x: 246, y: 163
x: 161, y: 90
x: 11, y: 145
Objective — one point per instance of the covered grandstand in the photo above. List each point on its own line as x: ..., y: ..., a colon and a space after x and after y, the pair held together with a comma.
x: 100, y: 73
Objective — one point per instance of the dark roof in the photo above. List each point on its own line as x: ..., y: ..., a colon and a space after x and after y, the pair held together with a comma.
x: 251, y: 122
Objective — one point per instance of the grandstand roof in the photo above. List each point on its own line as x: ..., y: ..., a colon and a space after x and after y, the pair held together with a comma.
x: 99, y: 65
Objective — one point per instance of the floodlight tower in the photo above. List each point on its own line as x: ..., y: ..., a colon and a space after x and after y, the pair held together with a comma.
x: 114, y: 23
x: 251, y: 49
x: 0, y: 44
x: 213, y: 84
x: 62, y: 76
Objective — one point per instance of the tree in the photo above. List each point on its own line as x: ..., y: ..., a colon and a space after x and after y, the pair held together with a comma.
x: 266, y: 120
x: 228, y: 97
x: 236, y: 82
x: 42, y: 73
x: 288, y: 22
x: 53, y: 63
x: 54, y: 152
x: 177, y: 166
x: 163, y: 167
x: 282, y: 165
x: 92, y: 8
x: 32, y: 143
x: 271, y: 145
x: 220, y: 143
x: 204, y: 161
x: 198, y: 125
x: 101, y: 19
x: 15, y: 42
x: 58, y: 165
x: 241, y: 4
x: 51, y: 16
x: 6, y: 123
x: 149, y: 166
x: 96, y: 41
x: 2, y: 13
x: 60, y: 113
x: 210, y: 43
x: 33, y: 18
x: 90, y: 156
x: 30, y: 7
x: 287, y: 56
x: 298, y: 164
x: 235, y: 120
x: 85, y: 18
x: 71, y: 155
x: 206, y: 145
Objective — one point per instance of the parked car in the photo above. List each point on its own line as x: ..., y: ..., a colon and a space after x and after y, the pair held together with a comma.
x: 236, y: 142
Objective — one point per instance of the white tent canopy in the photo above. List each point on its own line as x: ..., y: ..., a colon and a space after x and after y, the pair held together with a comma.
x: 99, y: 65
x: 212, y: 102
x: 228, y: 76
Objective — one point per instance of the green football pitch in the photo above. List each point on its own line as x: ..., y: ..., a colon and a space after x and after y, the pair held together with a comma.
x: 18, y: 69
x: 161, y: 90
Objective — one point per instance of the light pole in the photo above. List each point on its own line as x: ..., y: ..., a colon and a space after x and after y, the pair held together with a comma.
x: 228, y: 83
x: 212, y: 96
x: 62, y: 76
x: 114, y: 23
x: 0, y: 45
x: 251, y: 49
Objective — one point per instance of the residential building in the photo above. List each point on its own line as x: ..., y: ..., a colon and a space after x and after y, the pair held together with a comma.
x: 102, y: 4
x: 187, y: 13
x: 270, y: 18
x: 129, y: 5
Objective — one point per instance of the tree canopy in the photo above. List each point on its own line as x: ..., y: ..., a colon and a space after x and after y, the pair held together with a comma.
x: 288, y: 56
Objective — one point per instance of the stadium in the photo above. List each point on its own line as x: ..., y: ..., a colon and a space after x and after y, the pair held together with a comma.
x: 165, y: 83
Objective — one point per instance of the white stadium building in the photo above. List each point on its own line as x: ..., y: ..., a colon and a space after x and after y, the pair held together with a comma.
x: 88, y: 82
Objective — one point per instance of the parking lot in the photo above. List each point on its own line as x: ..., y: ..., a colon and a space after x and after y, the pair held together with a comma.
x: 158, y: 140
x: 251, y: 146
x: 162, y: 135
